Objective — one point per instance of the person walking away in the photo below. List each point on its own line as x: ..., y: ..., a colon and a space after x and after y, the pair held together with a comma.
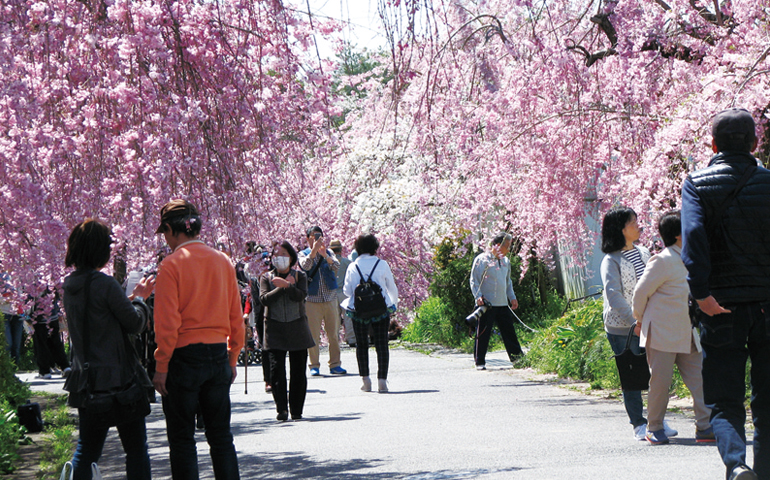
x: 48, y: 345
x: 370, y: 267
x: 725, y: 232
x: 200, y: 332
x: 660, y: 306
x: 491, y: 286
x: 99, y: 316
x: 321, y: 267
x: 282, y: 292
x: 347, y: 322
x: 14, y: 324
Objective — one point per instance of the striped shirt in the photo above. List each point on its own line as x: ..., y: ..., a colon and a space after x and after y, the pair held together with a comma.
x: 635, y: 258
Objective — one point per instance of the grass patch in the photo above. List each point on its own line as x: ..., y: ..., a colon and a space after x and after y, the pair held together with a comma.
x: 59, y: 441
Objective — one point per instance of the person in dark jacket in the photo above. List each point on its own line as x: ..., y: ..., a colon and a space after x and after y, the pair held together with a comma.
x: 726, y: 249
x: 48, y: 345
x: 282, y: 292
x: 100, y: 362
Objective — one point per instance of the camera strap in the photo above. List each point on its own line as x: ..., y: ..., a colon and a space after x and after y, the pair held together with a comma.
x: 312, y: 273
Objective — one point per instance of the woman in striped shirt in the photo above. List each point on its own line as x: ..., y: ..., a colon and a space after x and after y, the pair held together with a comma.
x: 621, y: 267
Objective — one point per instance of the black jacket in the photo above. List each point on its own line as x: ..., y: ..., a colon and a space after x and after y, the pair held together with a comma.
x: 728, y: 258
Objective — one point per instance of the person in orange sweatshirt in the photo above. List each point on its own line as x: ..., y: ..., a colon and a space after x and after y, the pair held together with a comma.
x: 199, y: 331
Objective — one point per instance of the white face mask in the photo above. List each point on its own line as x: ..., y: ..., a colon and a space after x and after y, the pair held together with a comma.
x: 281, y: 263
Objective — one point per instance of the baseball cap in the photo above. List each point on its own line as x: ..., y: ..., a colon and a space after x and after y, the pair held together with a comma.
x: 733, y: 125
x: 174, y: 209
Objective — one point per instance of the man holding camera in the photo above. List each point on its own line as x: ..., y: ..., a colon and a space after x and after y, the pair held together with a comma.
x: 321, y: 267
x: 492, y: 288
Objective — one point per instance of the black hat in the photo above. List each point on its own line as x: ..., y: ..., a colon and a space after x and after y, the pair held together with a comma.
x: 733, y: 126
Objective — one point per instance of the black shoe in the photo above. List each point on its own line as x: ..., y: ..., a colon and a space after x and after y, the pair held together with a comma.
x: 283, y: 416
x: 296, y: 416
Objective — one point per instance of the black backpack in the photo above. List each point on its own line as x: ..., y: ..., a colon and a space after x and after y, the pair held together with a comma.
x: 369, y: 301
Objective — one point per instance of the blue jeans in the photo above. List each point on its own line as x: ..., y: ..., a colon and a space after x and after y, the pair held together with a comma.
x: 632, y: 399
x: 14, y: 328
x: 133, y: 436
x: 199, y: 374
x: 728, y: 341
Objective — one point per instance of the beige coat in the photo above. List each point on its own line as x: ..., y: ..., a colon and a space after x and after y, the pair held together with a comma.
x: 660, y: 301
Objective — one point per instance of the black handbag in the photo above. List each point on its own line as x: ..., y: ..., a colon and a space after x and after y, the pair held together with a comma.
x: 633, y: 369
x: 126, y: 404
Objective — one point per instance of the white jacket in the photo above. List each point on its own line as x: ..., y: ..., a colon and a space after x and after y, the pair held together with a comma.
x: 382, y: 275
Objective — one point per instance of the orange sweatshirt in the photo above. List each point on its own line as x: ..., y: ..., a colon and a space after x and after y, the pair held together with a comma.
x: 196, y: 301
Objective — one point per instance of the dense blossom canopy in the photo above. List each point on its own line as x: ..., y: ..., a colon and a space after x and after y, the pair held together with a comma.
x: 533, y: 115
x: 482, y: 115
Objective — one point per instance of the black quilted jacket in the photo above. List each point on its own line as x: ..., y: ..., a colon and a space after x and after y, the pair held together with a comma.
x: 728, y: 258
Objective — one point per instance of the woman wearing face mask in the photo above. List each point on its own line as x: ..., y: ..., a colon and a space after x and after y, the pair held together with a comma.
x: 282, y: 292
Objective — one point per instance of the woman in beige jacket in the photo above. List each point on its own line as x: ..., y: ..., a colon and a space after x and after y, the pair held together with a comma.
x: 660, y: 303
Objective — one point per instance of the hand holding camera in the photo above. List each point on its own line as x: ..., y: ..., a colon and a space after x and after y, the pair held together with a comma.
x: 472, y: 320
x: 319, y: 246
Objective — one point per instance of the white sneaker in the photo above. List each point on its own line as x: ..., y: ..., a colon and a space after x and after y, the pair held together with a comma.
x: 367, y: 386
x: 382, y: 385
x: 481, y: 367
x: 670, y: 432
x: 640, y: 432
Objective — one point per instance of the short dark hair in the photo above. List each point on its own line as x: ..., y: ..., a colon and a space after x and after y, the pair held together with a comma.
x: 314, y: 228
x: 670, y: 227
x: 501, y: 238
x: 366, y: 244
x: 181, y: 216
x: 89, y: 245
x: 289, y: 248
x: 734, y: 130
x: 612, y: 228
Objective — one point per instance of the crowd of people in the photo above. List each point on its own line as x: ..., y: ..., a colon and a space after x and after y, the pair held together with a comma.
x: 713, y: 274
x: 198, y: 314
x: 702, y: 303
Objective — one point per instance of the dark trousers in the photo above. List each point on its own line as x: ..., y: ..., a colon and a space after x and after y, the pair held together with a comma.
x: 728, y: 341
x: 298, y: 380
x: 260, y: 327
x: 14, y: 330
x: 49, y: 349
x: 380, y: 336
x: 503, y: 317
x: 199, y: 374
x: 133, y: 437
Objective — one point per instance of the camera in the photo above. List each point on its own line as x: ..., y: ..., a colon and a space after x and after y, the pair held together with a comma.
x: 318, y: 235
x: 472, y: 320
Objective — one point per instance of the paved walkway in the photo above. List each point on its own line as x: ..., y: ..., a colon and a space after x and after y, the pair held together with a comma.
x: 441, y: 420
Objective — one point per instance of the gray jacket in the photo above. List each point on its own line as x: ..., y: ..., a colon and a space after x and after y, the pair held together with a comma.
x: 619, y: 280
x: 491, y: 279
x: 111, y: 316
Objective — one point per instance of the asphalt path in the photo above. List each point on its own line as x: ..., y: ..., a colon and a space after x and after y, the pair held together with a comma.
x: 442, y: 419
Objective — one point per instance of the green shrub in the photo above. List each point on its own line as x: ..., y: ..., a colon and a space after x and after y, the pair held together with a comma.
x: 10, y: 435
x: 431, y: 325
x: 11, y: 388
x: 441, y: 318
x: 575, y: 346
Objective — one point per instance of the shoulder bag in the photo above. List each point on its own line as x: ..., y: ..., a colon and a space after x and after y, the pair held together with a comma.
x: 633, y: 369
